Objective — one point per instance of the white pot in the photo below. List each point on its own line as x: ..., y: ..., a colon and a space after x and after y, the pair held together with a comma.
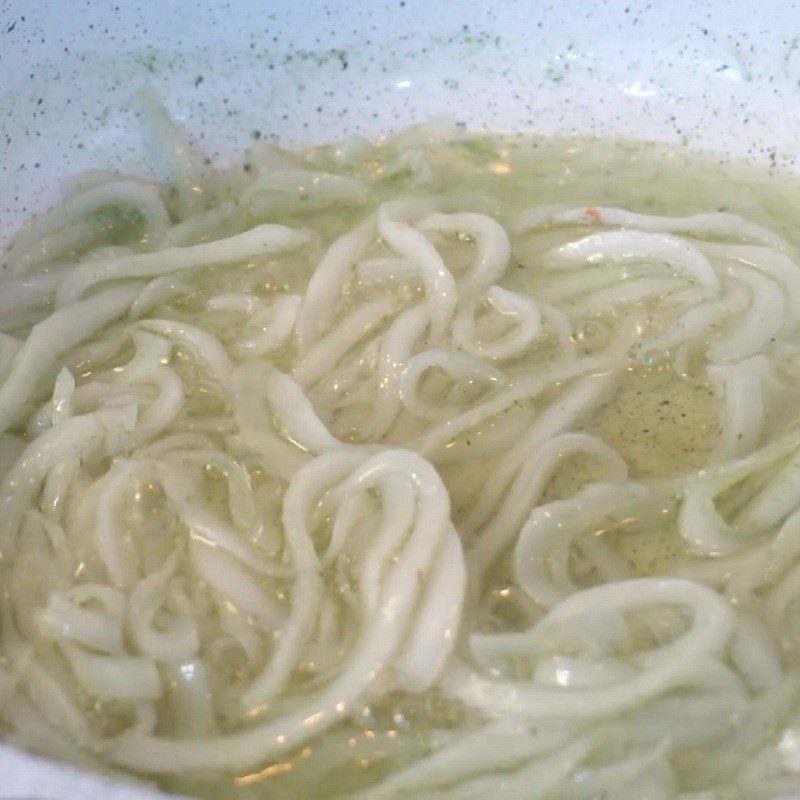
x: 719, y: 75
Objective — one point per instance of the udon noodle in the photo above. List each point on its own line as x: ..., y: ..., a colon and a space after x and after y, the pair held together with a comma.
x: 448, y: 466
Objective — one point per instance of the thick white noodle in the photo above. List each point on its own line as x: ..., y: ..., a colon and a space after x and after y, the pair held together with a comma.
x: 68, y: 227
x: 456, y: 365
x: 26, y: 297
x: 680, y: 256
x: 205, y: 347
x: 527, y: 488
x: 49, y: 340
x: 272, y: 323
x: 394, y: 220
x: 522, y: 310
x: 156, y: 292
x: 183, y: 158
x: 257, y: 242
x: 542, y: 550
x: 77, y: 436
x: 719, y: 224
x: 777, y: 265
x: 712, y: 625
x: 277, y: 501
x: 761, y: 322
x: 296, y: 415
x: 701, y: 523
x: 397, y: 345
x: 493, y: 247
x: 381, y: 636
x: 498, y: 745
x: 741, y: 386
x: 328, y: 351
x: 583, y: 396
x: 325, y: 288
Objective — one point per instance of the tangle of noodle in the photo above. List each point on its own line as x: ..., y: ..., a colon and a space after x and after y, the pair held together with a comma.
x: 350, y: 474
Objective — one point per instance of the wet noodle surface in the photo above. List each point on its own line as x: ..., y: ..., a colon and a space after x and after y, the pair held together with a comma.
x: 451, y: 466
